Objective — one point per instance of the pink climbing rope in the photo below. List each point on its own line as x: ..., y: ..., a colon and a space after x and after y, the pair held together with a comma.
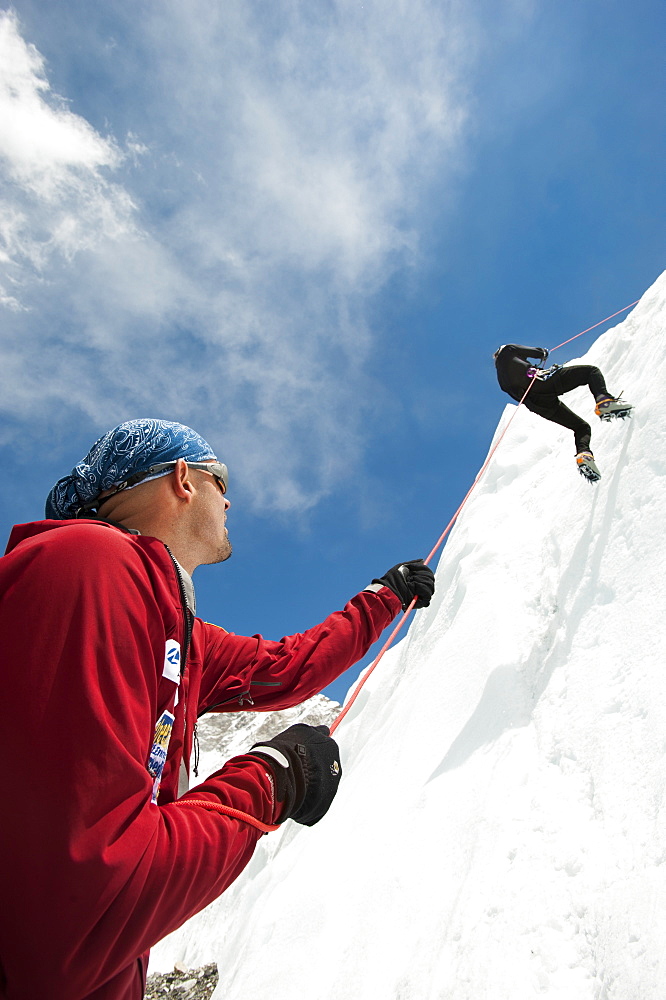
x: 438, y: 544
x: 594, y: 327
x: 228, y: 811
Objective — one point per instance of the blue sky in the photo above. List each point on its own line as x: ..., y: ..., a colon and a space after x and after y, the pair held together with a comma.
x: 304, y: 232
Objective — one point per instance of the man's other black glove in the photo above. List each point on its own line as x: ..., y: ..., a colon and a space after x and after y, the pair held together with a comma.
x: 409, y: 580
x: 305, y: 762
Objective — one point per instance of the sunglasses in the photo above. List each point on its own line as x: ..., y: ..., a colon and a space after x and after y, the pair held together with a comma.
x: 216, y: 469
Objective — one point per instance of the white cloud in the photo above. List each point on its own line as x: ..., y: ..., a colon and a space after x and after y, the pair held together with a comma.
x: 280, y: 160
x: 327, y: 122
x: 41, y: 141
x: 57, y: 198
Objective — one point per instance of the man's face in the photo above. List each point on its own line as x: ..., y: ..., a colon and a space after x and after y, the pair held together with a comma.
x: 211, y: 517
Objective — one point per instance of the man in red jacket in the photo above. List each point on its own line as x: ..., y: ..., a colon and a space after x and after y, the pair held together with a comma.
x: 105, y: 669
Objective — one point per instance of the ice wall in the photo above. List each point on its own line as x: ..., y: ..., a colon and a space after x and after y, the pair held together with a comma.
x: 500, y: 830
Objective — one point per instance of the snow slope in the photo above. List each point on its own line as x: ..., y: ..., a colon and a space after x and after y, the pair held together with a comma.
x: 500, y: 830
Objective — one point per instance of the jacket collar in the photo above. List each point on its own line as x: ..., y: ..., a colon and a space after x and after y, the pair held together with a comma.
x: 21, y: 532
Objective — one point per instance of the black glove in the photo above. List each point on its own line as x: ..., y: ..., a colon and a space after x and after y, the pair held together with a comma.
x: 305, y: 762
x: 409, y: 580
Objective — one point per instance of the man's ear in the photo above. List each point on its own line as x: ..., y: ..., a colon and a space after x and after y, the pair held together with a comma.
x: 181, y: 481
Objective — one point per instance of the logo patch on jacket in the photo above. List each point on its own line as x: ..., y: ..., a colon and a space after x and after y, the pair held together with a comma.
x: 172, y: 661
x: 158, y: 752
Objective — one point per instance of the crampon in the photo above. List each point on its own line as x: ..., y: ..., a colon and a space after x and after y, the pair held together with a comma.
x: 587, y: 467
x: 610, y: 407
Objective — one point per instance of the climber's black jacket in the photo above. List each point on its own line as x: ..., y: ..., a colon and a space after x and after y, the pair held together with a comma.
x: 512, y: 364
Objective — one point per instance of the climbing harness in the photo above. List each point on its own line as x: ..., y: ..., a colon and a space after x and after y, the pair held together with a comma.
x: 543, y: 374
x: 440, y: 541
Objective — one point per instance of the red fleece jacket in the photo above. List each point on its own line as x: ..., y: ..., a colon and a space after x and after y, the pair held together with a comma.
x: 93, y: 871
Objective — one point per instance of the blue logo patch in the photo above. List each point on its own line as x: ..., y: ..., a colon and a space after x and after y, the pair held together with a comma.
x: 172, y: 661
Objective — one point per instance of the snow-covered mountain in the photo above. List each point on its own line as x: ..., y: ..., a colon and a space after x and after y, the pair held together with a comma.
x: 500, y: 830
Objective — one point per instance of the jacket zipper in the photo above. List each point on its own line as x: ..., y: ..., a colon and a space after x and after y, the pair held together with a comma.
x: 187, y: 614
x: 188, y: 620
x: 244, y: 696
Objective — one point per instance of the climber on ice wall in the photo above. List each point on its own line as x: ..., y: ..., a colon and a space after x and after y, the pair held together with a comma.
x: 516, y: 373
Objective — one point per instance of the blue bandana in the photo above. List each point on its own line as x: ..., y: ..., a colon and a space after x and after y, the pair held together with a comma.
x: 129, y: 448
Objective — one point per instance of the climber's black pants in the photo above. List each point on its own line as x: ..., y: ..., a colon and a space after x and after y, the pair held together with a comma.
x: 543, y: 399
